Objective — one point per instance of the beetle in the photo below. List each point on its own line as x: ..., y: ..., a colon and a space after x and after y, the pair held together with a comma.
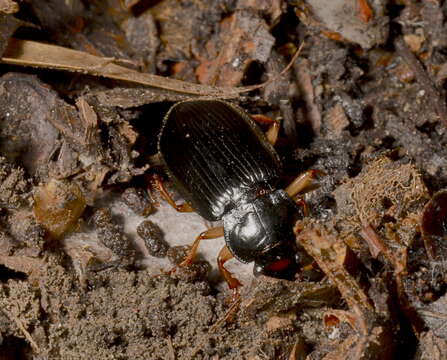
x: 226, y: 169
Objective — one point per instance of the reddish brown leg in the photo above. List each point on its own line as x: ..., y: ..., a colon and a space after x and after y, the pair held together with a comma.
x: 212, y: 233
x: 233, y: 283
x: 185, y: 207
x: 301, y: 182
x: 273, y: 130
x: 300, y: 201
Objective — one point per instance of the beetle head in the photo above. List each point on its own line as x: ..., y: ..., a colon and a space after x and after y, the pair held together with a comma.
x: 262, y: 231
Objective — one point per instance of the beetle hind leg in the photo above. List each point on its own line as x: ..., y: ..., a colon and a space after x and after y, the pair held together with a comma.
x: 185, y: 207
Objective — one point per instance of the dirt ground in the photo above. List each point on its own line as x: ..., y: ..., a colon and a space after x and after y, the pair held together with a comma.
x: 87, y: 242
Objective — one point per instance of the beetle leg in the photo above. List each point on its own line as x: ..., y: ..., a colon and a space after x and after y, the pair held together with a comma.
x: 185, y: 207
x: 222, y: 258
x: 273, y: 130
x: 301, y: 182
x: 300, y: 201
x: 212, y: 233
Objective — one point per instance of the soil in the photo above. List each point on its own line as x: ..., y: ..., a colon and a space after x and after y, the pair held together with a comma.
x: 89, y: 250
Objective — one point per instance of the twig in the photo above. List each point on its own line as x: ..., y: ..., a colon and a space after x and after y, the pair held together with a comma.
x: 227, y: 315
x: 304, y: 82
x: 377, y: 246
x: 373, y: 332
x: 423, y: 79
x: 23, y: 330
x: 171, y: 348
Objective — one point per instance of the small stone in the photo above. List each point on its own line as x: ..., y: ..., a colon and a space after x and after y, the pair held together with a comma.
x: 177, y: 254
x: 58, y: 206
x: 112, y: 236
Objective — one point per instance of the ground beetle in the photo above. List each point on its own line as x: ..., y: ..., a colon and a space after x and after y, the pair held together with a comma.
x: 225, y: 168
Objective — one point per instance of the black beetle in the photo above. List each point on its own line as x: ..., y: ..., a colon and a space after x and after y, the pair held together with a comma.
x: 223, y: 166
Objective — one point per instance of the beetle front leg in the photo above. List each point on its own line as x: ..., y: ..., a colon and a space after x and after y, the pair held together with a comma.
x: 185, y: 207
x: 212, y: 233
x: 273, y: 130
x: 301, y: 182
x: 233, y: 283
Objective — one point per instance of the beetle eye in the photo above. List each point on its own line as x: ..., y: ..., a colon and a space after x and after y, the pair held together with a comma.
x: 279, y: 265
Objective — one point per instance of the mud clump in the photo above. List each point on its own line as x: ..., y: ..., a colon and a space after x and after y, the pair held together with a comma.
x: 112, y: 236
x: 138, y: 201
x: 153, y: 238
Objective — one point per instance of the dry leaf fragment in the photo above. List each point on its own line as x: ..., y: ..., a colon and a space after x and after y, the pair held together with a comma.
x: 414, y: 42
x: 423, y: 78
x: 365, y: 11
x: 432, y: 347
x: 373, y: 338
x: 244, y: 38
x: 89, y: 118
x: 27, y: 135
x: 336, y: 120
x: 304, y: 81
x: 280, y: 321
x: 346, y: 20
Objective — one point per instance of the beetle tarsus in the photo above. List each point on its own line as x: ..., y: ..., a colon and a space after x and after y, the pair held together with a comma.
x: 233, y: 283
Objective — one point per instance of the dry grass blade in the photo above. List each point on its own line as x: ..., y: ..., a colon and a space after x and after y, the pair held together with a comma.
x: 37, y: 54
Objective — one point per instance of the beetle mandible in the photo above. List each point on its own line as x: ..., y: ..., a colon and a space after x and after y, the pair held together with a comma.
x: 226, y: 169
